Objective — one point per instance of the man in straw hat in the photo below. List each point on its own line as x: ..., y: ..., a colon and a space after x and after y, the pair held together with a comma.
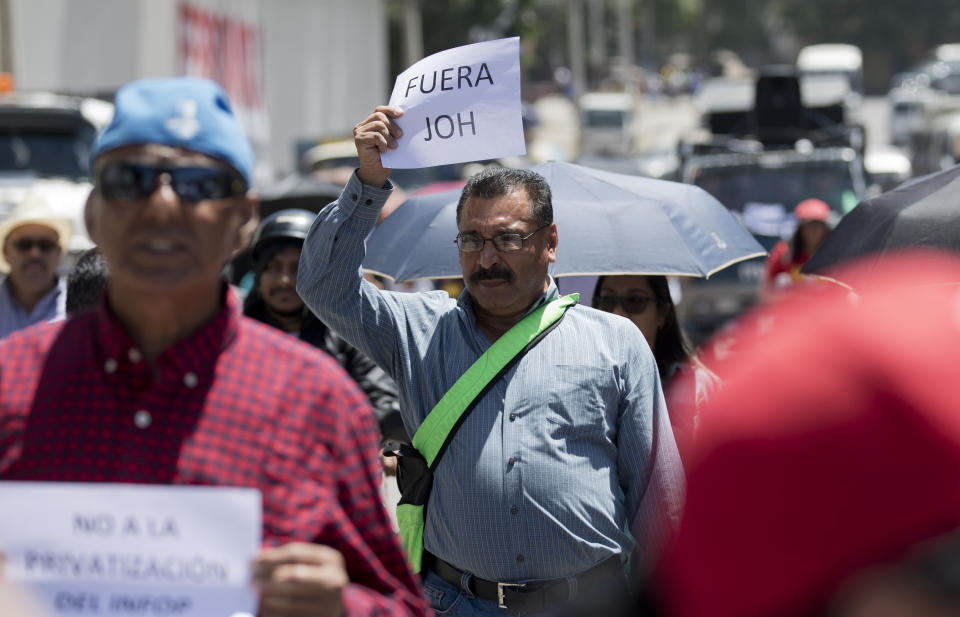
x: 34, y: 239
x: 167, y: 383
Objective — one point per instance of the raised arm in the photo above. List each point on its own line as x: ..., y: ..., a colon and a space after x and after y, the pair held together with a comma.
x: 329, y: 278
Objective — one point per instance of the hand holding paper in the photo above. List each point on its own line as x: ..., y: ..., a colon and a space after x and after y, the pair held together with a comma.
x: 374, y: 136
x: 300, y: 580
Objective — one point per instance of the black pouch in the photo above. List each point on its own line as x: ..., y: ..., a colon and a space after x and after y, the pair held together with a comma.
x: 414, y: 476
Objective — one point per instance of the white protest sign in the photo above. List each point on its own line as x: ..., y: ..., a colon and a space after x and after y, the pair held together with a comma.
x: 124, y: 549
x: 460, y: 105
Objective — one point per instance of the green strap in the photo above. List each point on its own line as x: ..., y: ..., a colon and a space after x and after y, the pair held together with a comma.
x: 433, y: 432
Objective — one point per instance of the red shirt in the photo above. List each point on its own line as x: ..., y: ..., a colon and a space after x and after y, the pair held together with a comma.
x: 782, y: 260
x: 235, y: 404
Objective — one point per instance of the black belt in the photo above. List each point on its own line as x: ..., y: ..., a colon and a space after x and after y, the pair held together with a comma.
x: 527, y: 597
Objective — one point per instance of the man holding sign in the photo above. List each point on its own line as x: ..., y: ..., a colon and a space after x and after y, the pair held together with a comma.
x: 561, y: 454
x: 166, y: 382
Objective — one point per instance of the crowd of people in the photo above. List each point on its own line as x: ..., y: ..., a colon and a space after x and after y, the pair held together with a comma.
x: 554, y: 458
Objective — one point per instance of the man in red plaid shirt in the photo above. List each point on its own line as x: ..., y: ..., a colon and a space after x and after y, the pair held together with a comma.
x: 166, y: 382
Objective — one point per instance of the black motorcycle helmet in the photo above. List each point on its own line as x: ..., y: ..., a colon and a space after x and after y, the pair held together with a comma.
x: 280, y: 229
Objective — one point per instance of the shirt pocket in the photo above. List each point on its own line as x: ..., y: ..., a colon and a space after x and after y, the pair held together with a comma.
x: 576, y: 402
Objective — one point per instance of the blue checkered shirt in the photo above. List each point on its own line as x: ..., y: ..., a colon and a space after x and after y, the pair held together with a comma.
x: 560, y: 465
x: 14, y: 317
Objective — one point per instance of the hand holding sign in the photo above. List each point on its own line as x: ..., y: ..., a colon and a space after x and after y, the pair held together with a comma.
x: 373, y: 137
x: 459, y: 105
x: 300, y: 579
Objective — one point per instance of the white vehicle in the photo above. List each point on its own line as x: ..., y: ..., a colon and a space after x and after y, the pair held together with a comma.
x: 607, y: 123
x: 833, y: 59
x: 45, y: 145
x: 887, y: 167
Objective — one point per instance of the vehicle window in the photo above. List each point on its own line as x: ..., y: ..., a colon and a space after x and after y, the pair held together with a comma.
x: 737, y: 186
x: 47, y: 153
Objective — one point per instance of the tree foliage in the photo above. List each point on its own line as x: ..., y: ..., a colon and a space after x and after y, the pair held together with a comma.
x: 898, y: 32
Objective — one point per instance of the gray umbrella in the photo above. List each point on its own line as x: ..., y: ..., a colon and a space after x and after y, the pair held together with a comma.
x: 608, y: 223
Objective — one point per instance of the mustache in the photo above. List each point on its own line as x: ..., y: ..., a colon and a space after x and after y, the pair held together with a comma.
x: 492, y: 273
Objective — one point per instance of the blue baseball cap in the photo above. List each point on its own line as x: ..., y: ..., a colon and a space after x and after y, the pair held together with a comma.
x: 187, y: 112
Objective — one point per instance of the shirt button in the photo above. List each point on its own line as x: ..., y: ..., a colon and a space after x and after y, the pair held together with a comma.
x: 353, y: 196
x: 519, y: 558
x: 142, y: 419
x: 368, y: 202
x: 134, y: 355
x: 190, y: 380
x: 513, y: 417
x: 512, y: 460
x: 110, y: 365
x: 514, y: 509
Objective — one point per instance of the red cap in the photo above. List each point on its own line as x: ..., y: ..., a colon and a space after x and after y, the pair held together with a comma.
x: 812, y: 210
x: 833, y: 444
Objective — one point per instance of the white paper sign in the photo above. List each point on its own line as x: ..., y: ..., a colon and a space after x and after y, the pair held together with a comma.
x: 124, y: 549
x: 460, y: 105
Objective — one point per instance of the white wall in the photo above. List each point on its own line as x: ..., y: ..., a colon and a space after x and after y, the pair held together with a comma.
x: 325, y: 64
x: 324, y: 61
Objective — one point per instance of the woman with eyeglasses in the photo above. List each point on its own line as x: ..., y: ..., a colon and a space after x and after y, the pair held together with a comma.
x: 687, y: 383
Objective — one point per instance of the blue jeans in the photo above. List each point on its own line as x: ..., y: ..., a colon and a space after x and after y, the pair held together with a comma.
x: 449, y: 601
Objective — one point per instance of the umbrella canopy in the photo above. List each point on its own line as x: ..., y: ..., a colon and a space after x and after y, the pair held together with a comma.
x: 608, y: 223
x: 923, y: 212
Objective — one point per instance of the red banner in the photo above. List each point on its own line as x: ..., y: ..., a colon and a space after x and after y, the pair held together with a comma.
x: 226, y: 49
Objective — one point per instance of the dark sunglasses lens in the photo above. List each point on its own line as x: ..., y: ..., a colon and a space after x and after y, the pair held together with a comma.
x: 199, y: 183
x: 636, y: 304
x: 25, y: 245
x: 606, y: 303
x: 633, y: 304
x: 126, y: 181
x: 122, y: 181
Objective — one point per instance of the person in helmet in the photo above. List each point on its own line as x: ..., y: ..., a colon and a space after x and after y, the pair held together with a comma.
x: 814, y: 221
x: 275, y: 251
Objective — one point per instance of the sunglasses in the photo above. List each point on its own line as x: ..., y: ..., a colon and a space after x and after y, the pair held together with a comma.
x: 633, y: 305
x: 25, y: 245
x: 133, y: 181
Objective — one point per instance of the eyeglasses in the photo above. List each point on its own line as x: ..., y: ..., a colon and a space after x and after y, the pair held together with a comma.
x: 133, y: 181
x: 505, y: 243
x: 633, y: 305
x: 25, y: 245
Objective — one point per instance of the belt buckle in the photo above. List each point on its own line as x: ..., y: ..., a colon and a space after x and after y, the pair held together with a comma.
x: 500, y: 589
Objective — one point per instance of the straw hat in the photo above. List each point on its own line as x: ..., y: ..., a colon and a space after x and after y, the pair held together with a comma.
x: 34, y: 209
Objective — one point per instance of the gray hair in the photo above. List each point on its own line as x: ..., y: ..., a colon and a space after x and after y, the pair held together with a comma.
x: 499, y: 181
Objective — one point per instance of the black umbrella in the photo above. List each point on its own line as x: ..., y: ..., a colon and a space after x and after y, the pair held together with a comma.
x: 924, y: 212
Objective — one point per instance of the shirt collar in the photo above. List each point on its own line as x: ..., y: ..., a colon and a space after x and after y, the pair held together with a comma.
x: 52, y: 303
x: 191, y: 359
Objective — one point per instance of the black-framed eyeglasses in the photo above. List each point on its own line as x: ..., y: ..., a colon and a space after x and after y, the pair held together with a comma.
x: 192, y: 184
x: 25, y: 245
x: 505, y: 243
x: 633, y: 304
